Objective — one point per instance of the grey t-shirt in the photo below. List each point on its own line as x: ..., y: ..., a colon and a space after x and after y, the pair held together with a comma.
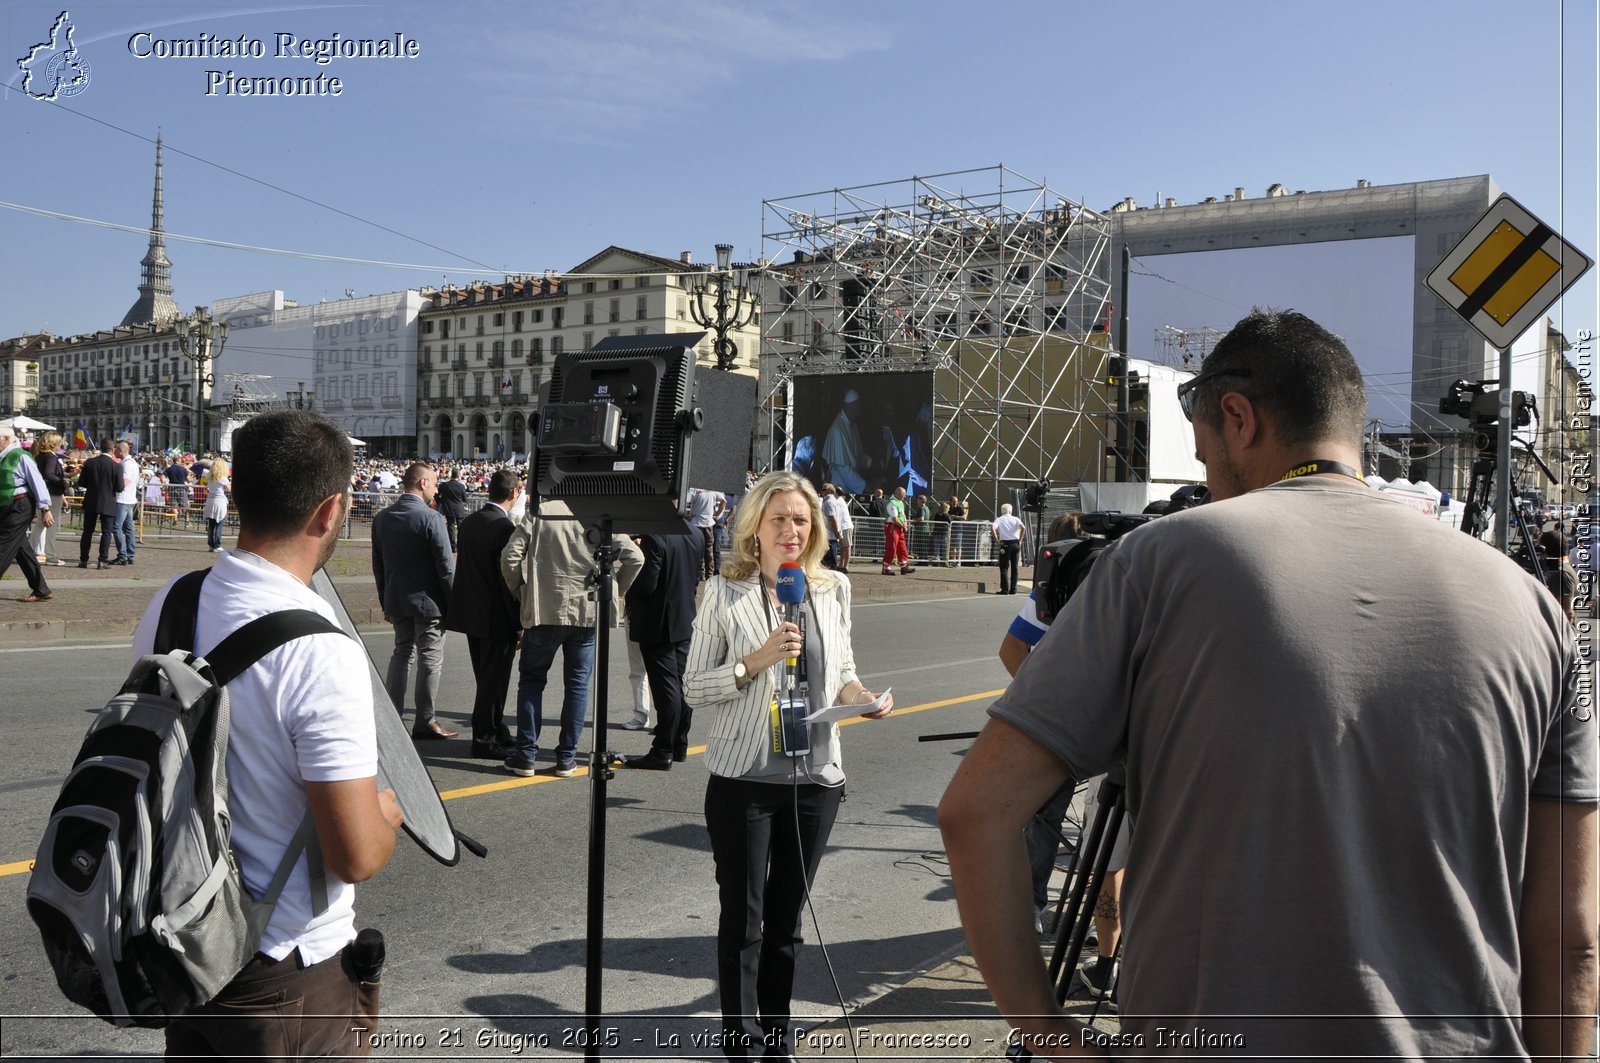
x: 1333, y: 713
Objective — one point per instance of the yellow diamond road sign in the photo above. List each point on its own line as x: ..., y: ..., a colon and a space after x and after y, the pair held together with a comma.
x: 1507, y: 270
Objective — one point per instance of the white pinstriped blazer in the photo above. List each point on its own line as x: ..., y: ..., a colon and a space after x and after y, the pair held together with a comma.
x: 731, y: 623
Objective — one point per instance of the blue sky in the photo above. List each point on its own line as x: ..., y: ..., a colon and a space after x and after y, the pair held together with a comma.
x: 527, y: 137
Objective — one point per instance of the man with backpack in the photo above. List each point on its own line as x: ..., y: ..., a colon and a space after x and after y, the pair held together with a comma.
x: 303, y: 740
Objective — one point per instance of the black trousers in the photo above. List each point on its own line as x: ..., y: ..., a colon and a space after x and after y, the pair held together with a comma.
x: 15, y: 520
x: 767, y: 840
x: 105, y: 520
x: 1010, y: 555
x: 492, y: 661
x: 278, y: 1009
x: 663, y: 664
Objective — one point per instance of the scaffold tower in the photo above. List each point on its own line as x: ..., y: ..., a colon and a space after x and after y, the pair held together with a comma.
x: 1185, y: 348
x: 994, y: 282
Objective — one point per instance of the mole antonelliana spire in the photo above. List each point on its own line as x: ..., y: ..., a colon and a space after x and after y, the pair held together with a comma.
x: 155, y: 290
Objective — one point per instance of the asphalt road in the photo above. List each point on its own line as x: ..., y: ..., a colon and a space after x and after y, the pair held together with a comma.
x: 486, y: 960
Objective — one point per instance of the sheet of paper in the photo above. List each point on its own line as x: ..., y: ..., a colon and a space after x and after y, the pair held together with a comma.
x: 835, y: 713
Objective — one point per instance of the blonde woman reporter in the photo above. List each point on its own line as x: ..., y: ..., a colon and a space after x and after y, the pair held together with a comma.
x: 757, y: 795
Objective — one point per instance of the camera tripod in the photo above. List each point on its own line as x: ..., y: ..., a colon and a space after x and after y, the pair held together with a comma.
x: 1481, y: 488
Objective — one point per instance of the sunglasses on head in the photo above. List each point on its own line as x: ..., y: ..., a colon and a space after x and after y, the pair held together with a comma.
x: 1186, y: 389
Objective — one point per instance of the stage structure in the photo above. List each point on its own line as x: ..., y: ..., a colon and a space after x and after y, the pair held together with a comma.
x: 996, y: 283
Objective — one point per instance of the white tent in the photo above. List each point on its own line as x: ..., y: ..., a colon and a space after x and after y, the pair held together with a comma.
x: 354, y: 442
x: 28, y: 424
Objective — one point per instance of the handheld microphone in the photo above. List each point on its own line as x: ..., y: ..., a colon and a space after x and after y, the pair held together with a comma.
x: 792, y: 737
x: 791, y: 588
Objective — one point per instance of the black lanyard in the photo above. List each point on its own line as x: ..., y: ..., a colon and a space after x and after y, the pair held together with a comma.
x: 1320, y: 465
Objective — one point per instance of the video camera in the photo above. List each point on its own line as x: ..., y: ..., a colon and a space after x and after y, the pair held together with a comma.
x: 1061, y: 567
x: 1479, y: 402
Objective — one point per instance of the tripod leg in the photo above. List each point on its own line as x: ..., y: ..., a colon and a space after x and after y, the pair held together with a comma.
x: 1094, y: 855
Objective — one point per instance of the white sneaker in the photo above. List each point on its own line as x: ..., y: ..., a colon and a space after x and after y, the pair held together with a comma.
x: 638, y: 723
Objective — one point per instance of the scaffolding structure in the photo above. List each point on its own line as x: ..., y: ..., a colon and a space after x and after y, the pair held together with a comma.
x: 1185, y: 348
x: 994, y: 282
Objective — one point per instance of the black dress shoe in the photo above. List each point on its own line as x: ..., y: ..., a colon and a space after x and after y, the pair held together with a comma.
x: 102, y: 564
x: 83, y: 564
x: 655, y: 760
x: 433, y: 730
x: 491, y: 751
x: 680, y: 756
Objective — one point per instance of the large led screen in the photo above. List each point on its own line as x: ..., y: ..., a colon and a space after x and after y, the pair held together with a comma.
x: 863, y: 431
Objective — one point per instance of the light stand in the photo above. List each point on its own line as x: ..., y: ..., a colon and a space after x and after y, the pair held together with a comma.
x: 724, y: 318
x: 600, y: 773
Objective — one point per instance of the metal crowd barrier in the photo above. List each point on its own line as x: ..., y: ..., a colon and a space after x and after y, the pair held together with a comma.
x: 968, y: 542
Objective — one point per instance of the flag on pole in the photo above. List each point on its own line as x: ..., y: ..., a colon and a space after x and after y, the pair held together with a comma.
x: 80, y: 439
x: 127, y: 430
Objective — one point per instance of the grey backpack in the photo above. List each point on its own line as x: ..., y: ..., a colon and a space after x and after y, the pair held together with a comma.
x: 135, y: 888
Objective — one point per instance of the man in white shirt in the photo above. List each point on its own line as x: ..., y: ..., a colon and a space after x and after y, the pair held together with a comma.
x: 303, y: 736
x: 1009, y: 531
x: 122, y: 525
x: 704, y: 509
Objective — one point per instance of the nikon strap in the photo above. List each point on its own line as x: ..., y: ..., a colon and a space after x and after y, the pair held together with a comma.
x: 1320, y: 465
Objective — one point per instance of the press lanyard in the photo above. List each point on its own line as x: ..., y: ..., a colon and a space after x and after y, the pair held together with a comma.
x: 1320, y: 465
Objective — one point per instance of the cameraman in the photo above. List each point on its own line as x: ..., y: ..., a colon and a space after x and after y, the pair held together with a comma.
x: 1357, y: 744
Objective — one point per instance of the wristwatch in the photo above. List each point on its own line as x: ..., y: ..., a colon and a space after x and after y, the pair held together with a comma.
x: 740, y: 672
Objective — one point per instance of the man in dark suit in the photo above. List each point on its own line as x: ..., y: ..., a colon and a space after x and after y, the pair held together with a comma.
x: 412, y: 565
x: 483, y: 608
x: 100, y: 479
x: 661, y: 620
x: 453, y: 504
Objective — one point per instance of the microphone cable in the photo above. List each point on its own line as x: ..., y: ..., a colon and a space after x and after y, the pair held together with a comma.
x: 816, y: 923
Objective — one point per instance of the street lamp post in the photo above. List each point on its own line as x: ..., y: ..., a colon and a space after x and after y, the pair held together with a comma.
x: 201, y: 339
x: 728, y: 309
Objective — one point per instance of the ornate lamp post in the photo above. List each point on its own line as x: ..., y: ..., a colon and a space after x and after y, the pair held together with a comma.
x: 201, y: 339
x: 728, y: 309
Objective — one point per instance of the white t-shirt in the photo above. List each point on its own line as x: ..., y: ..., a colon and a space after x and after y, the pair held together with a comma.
x: 130, y: 482
x: 833, y: 507
x: 1008, y: 527
x: 304, y: 712
x: 703, y: 506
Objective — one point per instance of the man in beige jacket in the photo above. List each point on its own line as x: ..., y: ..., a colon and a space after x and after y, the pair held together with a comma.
x: 549, y: 566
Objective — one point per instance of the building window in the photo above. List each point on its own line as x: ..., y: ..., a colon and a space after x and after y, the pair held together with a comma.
x: 477, y: 385
x: 536, y: 316
x: 516, y: 321
x: 588, y: 313
x: 499, y: 349
x: 557, y: 313
x: 614, y: 332
x: 588, y: 340
x: 788, y: 332
x: 786, y: 294
x: 499, y: 320
x: 516, y: 348
x: 641, y: 282
x: 641, y: 308
x: 588, y: 287
x: 683, y: 311
x: 556, y: 345
x: 478, y: 354
x: 536, y: 346
x: 427, y: 326
x: 444, y: 328
x: 480, y: 325
x: 640, y: 331
x: 615, y: 310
